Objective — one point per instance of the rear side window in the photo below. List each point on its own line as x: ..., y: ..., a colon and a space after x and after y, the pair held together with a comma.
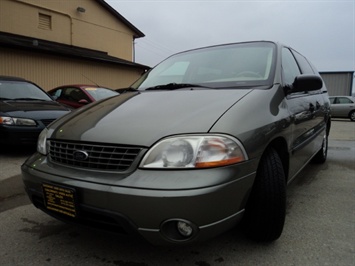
x: 343, y: 100
x: 289, y: 67
x: 303, y: 63
x: 76, y: 94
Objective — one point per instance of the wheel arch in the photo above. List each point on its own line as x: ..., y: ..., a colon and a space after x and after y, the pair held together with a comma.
x: 265, y: 210
x: 329, y: 125
x: 349, y: 114
x: 280, y: 146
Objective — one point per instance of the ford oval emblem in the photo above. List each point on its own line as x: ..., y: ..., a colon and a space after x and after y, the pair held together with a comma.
x: 80, y: 155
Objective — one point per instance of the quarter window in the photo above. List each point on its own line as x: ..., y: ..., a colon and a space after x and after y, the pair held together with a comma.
x: 303, y: 63
x: 331, y: 100
x: 289, y: 67
x: 57, y: 93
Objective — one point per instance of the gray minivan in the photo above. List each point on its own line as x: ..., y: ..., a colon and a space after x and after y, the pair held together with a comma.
x: 207, y: 138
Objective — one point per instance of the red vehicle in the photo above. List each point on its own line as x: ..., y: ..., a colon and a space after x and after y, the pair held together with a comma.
x: 79, y: 95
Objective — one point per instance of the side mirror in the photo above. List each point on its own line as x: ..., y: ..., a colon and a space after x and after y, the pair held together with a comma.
x: 307, y: 83
x: 83, y: 101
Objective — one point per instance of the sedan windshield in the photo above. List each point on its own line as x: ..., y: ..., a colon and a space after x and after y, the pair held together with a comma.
x: 224, y: 66
x: 21, y: 91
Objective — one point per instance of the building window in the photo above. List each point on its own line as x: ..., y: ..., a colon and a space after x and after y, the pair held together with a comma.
x: 44, y: 22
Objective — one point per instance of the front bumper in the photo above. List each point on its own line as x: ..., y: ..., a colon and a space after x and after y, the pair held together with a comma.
x: 11, y: 135
x: 149, y: 213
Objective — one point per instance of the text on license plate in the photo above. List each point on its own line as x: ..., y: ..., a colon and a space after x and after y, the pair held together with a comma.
x: 60, y: 199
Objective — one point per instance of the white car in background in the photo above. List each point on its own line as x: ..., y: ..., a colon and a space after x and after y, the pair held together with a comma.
x: 343, y: 106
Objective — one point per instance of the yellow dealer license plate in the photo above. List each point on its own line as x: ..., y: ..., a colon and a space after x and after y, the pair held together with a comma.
x: 60, y: 199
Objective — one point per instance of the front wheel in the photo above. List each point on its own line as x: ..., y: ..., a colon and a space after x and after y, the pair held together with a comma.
x: 265, y: 211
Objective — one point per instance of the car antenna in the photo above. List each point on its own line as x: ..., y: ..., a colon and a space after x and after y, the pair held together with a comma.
x: 91, y: 80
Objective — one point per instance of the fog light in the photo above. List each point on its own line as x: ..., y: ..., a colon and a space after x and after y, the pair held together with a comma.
x: 184, y: 228
x: 178, y: 230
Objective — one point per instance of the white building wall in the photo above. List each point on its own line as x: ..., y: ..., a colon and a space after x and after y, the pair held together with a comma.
x: 338, y: 83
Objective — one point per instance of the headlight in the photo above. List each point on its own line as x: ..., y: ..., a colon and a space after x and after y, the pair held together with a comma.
x: 194, y: 151
x: 42, y: 142
x: 14, y: 121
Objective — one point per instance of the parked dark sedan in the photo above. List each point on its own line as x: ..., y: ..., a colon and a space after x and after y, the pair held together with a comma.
x: 210, y: 137
x: 79, y: 95
x: 25, y: 110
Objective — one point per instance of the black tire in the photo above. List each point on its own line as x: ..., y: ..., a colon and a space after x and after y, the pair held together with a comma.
x: 265, y: 211
x: 321, y: 155
x: 352, y: 116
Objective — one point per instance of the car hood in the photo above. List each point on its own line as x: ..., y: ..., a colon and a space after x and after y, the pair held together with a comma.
x: 144, y: 118
x: 33, y: 109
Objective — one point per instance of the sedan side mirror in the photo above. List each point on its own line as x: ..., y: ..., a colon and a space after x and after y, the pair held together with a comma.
x: 306, y: 83
x: 83, y: 101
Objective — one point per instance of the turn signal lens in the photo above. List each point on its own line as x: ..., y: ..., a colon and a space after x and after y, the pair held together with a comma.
x: 42, y: 142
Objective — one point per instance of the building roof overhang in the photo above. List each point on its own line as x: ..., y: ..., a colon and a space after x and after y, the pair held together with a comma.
x: 42, y: 46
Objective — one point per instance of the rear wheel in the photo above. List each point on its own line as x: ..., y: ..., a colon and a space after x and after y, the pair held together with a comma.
x: 266, y: 208
x: 321, y: 155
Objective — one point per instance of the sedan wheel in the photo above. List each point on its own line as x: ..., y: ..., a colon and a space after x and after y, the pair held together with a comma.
x: 352, y: 116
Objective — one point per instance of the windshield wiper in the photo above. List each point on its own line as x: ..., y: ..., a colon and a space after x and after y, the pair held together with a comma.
x: 27, y: 99
x: 174, y: 86
x: 124, y: 90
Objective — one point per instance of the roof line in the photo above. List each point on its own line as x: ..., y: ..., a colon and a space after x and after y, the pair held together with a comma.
x: 337, y: 72
x: 138, y: 33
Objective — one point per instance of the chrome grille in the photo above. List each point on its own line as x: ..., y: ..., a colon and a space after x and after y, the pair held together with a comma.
x: 105, y: 157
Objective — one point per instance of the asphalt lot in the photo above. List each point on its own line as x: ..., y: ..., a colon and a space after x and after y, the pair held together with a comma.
x: 319, y: 229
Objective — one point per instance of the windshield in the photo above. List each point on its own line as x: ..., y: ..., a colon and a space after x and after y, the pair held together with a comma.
x: 100, y: 93
x: 232, y: 66
x: 18, y: 90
